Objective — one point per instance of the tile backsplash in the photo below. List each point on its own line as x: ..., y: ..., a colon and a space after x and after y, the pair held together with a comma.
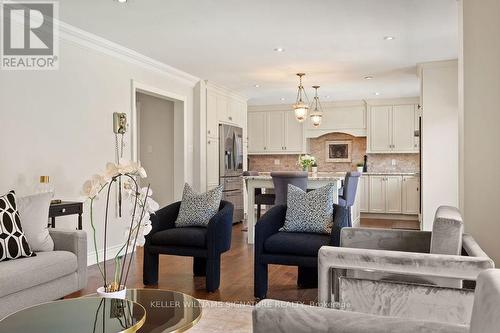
x: 317, y: 148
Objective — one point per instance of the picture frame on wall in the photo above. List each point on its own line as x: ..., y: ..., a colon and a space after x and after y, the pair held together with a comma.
x: 339, y: 151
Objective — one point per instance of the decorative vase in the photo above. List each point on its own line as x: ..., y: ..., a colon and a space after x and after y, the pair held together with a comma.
x: 305, y: 168
x: 120, y: 294
x: 360, y: 169
x: 314, y: 170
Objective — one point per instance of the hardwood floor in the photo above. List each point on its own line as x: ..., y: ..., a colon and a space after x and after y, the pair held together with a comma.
x: 236, y: 272
x: 236, y: 276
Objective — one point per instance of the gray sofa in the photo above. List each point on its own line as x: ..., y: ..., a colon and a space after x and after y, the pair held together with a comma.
x: 47, y: 276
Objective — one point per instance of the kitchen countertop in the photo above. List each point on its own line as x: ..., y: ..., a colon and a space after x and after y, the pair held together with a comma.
x: 336, y: 175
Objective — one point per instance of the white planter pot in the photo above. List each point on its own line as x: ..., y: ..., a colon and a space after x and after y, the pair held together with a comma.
x: 117, y: 294
x: 314, y: 170
x: 360, y: 169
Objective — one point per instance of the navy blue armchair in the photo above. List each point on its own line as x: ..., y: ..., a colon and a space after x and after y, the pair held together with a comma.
x: 291, y: 248
x: 205, y: 245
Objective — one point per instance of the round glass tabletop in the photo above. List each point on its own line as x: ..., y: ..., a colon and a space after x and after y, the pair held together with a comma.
x: 79, y: 315
x: 167, y: 311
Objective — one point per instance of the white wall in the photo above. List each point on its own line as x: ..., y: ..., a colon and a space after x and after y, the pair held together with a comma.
x: 156, y: 145
x: 59, y: 123
x: 480, y: 133
x: 439, y: 138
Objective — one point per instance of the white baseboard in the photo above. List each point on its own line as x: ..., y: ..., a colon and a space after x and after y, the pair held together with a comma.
x: 110, y: 254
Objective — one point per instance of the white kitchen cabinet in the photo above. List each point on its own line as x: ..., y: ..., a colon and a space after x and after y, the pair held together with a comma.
x: 377, y: 194
x: 411, y: 195
x: 403, y: 137
x: 391, y: 129
x: 364, y: 193
x: 393, y: 194
x: 380, y: 136
x: 385, y: 194
x: 212, y: 163
x: 256, y: 132
x: 275, y: 131
x: 223, y: 112
x: 294, y: 139
x: 212, y: 123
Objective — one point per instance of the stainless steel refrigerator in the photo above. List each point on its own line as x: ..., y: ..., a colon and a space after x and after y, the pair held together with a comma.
x: 231, y: 167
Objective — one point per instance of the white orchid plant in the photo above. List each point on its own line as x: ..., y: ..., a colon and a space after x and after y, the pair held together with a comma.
x: 140, y: 225
x: 305, y: 161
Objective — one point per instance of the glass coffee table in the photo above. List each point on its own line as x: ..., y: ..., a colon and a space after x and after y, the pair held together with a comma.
x: 166, y: 310
x: 79, y: 315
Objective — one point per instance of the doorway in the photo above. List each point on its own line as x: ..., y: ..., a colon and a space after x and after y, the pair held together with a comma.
x: 158, y: 140
x: 155, y: 119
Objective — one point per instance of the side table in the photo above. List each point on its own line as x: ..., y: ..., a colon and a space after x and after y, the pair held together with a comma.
x: 66, y: 208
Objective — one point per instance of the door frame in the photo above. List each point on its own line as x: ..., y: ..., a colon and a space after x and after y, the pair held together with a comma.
x: 180, y: 130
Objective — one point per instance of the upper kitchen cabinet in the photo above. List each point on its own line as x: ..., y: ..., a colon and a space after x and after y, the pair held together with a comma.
x: 391, y: 128
x: 345, y: 117
x: 223, y: 107
x: 274, y: 130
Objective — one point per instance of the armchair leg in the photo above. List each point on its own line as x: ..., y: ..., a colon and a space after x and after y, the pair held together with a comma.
x: 260, y: 281
x: 307, y: 277
x: 213, y: 274
x: 150, y: 268
x: 258, y: 212
x: 199, y: 266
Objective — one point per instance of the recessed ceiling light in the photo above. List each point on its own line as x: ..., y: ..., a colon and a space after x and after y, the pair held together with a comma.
x: 377, y: 94
x: 282, y: 98
x: 257, y: 86
x: 121, y: 1
x: 389, y: 38
x: 279, y: 49
x: 368, y: 77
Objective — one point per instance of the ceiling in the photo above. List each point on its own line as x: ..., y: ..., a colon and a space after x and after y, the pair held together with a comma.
x: 231, y: 42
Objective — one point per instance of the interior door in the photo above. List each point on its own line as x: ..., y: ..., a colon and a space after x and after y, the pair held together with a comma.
x: 380, y: 128
x: 403, y: 119
x: 275, y: 131
x: 377, y: 194
x: 256, y: 132
x: 393, y: 194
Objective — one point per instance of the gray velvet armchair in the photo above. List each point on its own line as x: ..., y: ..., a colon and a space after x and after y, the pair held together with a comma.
x: 410, y: 274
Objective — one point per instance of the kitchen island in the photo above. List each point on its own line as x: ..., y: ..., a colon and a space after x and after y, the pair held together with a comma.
x: 265, y: 181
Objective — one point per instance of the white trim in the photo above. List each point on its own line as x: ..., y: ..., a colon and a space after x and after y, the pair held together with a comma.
x: 80, y: 37
x: 111, y: 252
x: 180, y: 130
x: 221, y: 90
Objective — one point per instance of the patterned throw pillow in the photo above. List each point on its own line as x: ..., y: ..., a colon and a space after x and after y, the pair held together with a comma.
x: 197, y: 209
x: 309, y: 211
x: 13, y: 243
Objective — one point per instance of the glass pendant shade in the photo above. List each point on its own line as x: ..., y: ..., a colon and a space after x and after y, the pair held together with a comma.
x: 300, y: 111
x: 317, y: 113
x: 316, y: 119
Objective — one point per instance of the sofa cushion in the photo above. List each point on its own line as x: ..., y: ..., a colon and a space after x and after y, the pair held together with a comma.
x: 187, y: 236
x: 296, y: 243
x: 309, y: 211
x: 24, y: 273
x: 197, y: 209
x: 34, y: 212
x: 13, y: 243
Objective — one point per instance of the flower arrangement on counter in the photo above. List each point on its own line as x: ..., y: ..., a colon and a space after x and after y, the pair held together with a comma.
x: 306, y: 161
x: 142, y: 206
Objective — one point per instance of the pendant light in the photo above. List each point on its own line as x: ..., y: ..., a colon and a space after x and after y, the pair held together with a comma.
x: 317, y: 112
x: 300, y: 107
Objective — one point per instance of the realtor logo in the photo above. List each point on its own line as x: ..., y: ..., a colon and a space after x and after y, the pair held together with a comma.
x: 29, y: 35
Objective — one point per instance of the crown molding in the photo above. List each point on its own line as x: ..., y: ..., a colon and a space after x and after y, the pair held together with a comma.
x: 224, y: 91
x: 81, y: 37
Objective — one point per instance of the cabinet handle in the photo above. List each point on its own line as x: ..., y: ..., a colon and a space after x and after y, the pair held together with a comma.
x: 230, y: 118
x: 208, y: 141
x: 208, y: 131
